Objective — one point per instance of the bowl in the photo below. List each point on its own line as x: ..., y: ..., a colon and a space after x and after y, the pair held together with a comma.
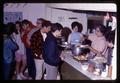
x: 84, y: 66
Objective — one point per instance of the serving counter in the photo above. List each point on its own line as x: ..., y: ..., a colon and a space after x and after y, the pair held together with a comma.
x: 72, y: 69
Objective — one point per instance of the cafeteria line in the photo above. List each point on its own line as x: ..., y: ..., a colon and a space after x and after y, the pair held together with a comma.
x: 59, y: 44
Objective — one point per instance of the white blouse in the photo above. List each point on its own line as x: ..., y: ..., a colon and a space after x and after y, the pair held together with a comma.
x: 17, y: 39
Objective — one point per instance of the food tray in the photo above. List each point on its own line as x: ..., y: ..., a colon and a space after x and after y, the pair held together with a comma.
x: 80, y: 58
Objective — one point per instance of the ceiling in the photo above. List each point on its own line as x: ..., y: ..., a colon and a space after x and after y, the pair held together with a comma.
x: 103, y: 7
x: 94, y: 11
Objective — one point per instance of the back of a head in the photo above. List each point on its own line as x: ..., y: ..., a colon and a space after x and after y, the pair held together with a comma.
x: 25, y: 21
x: 10, y: 28
x: 65, y: 32
x: 59, y: 25
x: 17, y: 22
x: 56, y: 26
x: 40, y: 19
x: 46, y: 23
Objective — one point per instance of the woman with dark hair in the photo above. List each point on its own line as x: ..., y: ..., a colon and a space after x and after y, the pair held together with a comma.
x: 26, y: 28
x: 99, y: 43
x: 20, y: 55
x: 8, y: 51
x: 65, y: 33
x: 76, y: 36
x: 37, y: 27
x: 98, y: 48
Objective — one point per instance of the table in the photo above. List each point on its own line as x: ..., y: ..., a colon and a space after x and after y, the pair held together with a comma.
x: 71, y: 69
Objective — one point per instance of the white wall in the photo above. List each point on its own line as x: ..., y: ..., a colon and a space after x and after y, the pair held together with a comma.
x: 31, y: 11
x: 114, y: 59
x: 62, y: 16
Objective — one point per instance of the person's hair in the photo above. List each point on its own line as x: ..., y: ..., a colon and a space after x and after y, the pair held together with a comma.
x: 25, y: 21
x: 59, y: 25
x: 20, y: 25
x: 110, y: 36
x: 102, y: 28
x: 56, y: 26
x: 40, y: 19
x: 65, y: 33
x: 18, y: 22
x: 46, y: 23
x: 10, y: 28
x: 79, y: 25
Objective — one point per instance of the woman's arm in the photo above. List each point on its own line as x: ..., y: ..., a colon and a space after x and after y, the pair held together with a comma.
x: 94, y: 50
x: 97, y: 46
x: 13, y: 45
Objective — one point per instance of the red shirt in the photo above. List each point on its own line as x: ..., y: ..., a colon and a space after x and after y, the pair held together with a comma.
x: 25, y: 38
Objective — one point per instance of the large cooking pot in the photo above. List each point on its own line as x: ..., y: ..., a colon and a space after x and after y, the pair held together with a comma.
x: 76, y: 50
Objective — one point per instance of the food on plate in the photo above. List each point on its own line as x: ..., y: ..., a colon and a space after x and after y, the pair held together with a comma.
x: 100, y: 60
x: 81, y: 57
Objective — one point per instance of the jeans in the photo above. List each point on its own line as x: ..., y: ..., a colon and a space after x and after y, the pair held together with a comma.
x: 51, y: 72
x: 6, y: 70
x: 39, y: 63
x: 30, y: 63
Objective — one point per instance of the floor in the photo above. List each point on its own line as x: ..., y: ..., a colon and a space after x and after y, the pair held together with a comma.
x: 26, y: 74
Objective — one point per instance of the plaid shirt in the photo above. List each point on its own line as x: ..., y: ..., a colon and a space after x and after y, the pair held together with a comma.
x: 36, y: 44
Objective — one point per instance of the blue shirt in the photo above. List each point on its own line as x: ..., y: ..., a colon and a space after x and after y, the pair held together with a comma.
x: 9, y: 49
x: 75, y: 37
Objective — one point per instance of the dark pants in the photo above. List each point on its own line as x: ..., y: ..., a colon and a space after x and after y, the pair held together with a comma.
x: 59, y: 68
x: 110, y: 51
x: 30, y: 63
x: 6, y: 70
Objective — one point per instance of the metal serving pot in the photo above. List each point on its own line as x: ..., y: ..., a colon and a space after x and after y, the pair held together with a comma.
x: 76, y: 50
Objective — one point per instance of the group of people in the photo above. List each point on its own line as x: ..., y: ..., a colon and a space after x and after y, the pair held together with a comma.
x: 32, y: 47
x: 36, y: 47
